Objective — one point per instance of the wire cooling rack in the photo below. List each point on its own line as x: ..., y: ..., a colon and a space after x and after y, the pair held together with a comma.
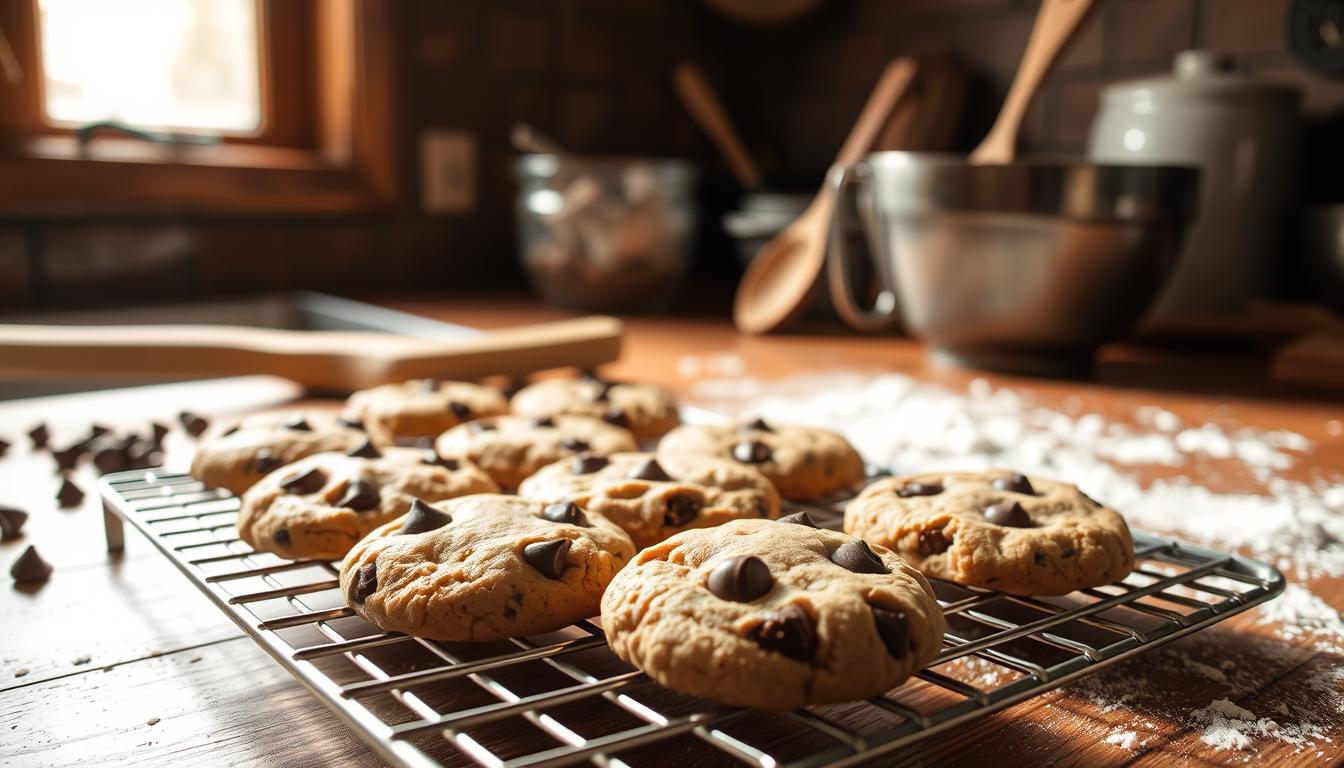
x: 564, y: 698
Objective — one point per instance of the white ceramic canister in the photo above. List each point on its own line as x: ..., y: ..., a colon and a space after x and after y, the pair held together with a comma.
x: 1243, y: 135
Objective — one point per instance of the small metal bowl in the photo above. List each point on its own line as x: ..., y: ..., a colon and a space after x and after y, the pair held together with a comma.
x: 1026, y: 267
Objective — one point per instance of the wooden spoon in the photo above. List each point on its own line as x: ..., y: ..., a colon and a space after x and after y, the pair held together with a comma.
x: 699, y: 99
x: 1056, y: 22
x: 776, y: 285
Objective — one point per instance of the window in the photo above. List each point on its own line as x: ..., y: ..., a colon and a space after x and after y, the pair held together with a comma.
x: 296, y: 96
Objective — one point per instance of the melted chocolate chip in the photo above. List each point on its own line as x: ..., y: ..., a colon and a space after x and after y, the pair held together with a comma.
x: 587, y: 463
x: 69, y: 494
x: 790, y: 632
x: 194, y: 424
x: 932, y: 542
x: 310, y: 481
x: 365, y: 450
x: 565, y: 512
x: 544, y: 422
x: 916, y: 488
x: 574, y: 444
x: 741, y: 579
x: 298, y: 424
x: 460, y: 409
x: 649, y: 469
x: 616, y: 417
x: 547, y: 556
x: 1009, y: 514
x: 681, y: 509
x: 423, y: 518
x: 1016, y: 482
x: 752, y: 452
x: 858, y: 557
x: 757, y: 425
x: 360, y: 495
x: 39, y: 435
x: 365, y: 582
x: 11, y: 522
x: 30, y: 568
x: 352, y: 423
x: 799, y: 518
x: 265, y: 463
x: 894, y: 629
x: 281, y: 537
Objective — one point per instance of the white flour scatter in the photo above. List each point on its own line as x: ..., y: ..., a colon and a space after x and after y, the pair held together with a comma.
x: 1125, y: 740
x: 1301, y: 614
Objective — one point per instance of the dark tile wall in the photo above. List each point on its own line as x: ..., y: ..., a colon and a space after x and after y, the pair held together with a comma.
x: 594, y: 74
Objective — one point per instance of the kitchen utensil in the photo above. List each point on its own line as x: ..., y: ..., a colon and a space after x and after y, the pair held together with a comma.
x: 1025, y: 267
x: 1056, y: 21
x: 700, y: 100
x: 776, y: 286
x: 605, y: 234
x: 1244, y: 135
x: 927, y: 117
x: 319, y: 360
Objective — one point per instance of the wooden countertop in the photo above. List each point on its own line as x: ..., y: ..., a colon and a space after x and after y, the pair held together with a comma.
x: 113, y: 643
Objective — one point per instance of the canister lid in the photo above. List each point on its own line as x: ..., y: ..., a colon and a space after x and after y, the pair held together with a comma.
x: 1200, y: 75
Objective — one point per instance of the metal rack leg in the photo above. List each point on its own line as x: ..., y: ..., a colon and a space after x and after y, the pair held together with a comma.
x: 115, y: 529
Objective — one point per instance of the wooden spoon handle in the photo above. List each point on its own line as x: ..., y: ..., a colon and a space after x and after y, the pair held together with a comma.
x: 1055, y: 24
x: 893, y: 83
x: 699, y: 99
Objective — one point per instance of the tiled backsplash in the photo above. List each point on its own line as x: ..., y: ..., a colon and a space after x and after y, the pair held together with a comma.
x: 595, y: 74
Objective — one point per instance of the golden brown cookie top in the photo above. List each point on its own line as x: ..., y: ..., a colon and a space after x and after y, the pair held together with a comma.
x: 422, y: 407
x: 645, y: 409
x: 510, y: 448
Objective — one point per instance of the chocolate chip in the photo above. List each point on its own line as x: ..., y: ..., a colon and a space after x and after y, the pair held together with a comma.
x: 160, y: 431
x: 265, y: 463
x: 789, y: 632
x: 894, y: 629
x: 649, y: 469
x: 429, y: 385
x: 1009, y: 514
x: 741, y: 579
x: 799, y: 518
x: 1039, y: 557
x: 1016, y: 482
x: 39, y: 435
x: 142, y: 454
x: 757, y: 425
x: 310, y: 481
x: 587, y: 463
x: 681, y: 509
x: 617, y: 417
x: 423, y: 518
x: 565, y: 512
x: 917, y: 488
x: 298, y: 424
x: 11, y: 522
x: 66, y: 458
x: 4, y: 447
x: 752, y: 452
x: 364, y: 450
x: 365, y: 582
x: 231, y: 430
x: 96, y: 431
x: 30, y: 568
x: 69, y: 494
x: 110, y: 455
x: 482, y: 426
x: 858, y: 557
x: 574, y: 444
x: 194, y: 424
x: 461, y: 410
x: 433, y: 459
x: 351, y: 422
x: 547, y: 556
x: 932, y: 542
x: 543, y: 422
x: 360, y: 495
x: 281, y: 537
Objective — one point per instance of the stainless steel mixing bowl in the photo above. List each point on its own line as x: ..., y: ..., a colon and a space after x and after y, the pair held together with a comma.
x: 1026, y: 267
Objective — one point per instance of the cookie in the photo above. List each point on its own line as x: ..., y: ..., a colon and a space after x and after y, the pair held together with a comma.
x: 509, y: 448
x: 774, y: 615
x: 422, y: 408
x: 236, y: 455
x: 318, y: 507
x: 995, y: 529
x: 651, y: 502
x: 484, y: 567
x: 646, y: 410
x: 804, y: 463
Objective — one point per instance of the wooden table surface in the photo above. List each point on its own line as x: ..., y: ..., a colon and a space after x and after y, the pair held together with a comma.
x: 117, y: 660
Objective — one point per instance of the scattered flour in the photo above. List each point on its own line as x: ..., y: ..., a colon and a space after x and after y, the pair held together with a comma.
x: 1125, y: 740
x: 1301, y: 614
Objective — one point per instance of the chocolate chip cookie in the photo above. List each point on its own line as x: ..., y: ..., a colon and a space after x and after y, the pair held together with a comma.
x: 318, y: 507
x: 774, y: 615
x: 422, y: 408
x: 650, y: 502
x: 646, y: 410
x: 804, y: 463
x: 236, y: 455
x: 995, y: 529
x: 509, y: 448
x: 484, y: 567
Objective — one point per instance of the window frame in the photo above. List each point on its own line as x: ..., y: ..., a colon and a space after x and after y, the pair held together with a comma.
x: 331, y: 150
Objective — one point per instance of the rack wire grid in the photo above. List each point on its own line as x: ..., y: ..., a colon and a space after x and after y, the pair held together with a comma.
x: 563, y: 697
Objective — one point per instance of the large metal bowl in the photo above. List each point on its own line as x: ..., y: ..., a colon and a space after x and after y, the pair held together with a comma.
x: 1026, y: 267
